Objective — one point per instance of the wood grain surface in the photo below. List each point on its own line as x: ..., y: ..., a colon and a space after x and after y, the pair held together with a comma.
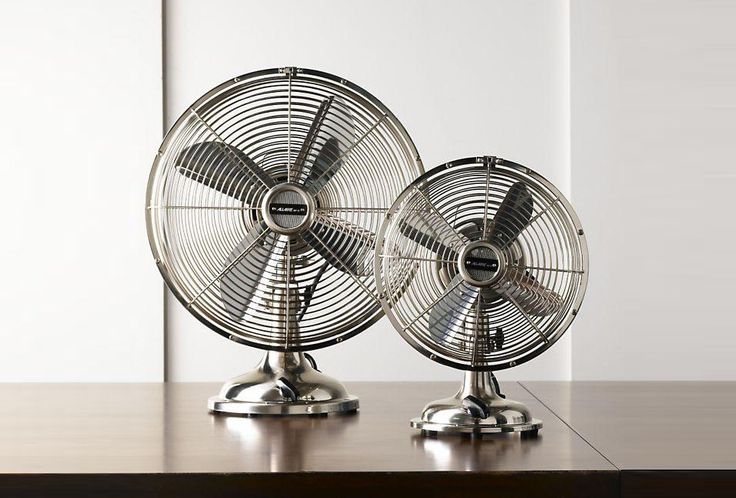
x: 669, y: 439
x: 159, y: 440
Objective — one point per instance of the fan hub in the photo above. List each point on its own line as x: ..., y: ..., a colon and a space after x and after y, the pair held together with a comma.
x: 480, y: 263
x: 288, y: 209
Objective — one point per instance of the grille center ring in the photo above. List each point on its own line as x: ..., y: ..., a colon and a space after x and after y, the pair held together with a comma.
x: 288, y: 209
x: 480, y: 263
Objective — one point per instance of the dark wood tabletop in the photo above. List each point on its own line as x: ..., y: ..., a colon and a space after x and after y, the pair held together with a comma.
x: 669, y: 439
x: 159, y: 440
x: 598, y: 440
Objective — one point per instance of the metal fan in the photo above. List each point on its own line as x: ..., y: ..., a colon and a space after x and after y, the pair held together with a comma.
x: 263, y: 203
x: 500, y: 270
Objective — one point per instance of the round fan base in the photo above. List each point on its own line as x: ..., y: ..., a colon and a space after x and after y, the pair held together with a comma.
x: 477, y: 408
x: 283, y: 384
x: 430, y: 429
x: 217, y: 404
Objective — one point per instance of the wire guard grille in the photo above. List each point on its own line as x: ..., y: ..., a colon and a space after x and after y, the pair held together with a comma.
x: 264, y: 201
x: 481, y: 264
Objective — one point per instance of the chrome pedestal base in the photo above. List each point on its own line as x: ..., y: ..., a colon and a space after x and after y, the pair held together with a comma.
x: 283, y: 384
x: 476, y: 409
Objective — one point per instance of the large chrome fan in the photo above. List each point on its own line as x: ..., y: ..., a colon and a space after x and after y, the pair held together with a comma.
x: 263, y: 204
x: 500, y: 270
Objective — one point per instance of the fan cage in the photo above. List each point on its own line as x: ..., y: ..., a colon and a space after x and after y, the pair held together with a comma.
x: 447, y: 206
x: 209, y: 238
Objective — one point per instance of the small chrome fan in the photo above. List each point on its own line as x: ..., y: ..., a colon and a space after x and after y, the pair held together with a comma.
x: 499, y: 272
x: 263, y: 203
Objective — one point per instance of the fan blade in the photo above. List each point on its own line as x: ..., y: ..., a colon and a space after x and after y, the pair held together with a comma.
x: 325, y: 165
x: 490, y: 337
x: 238, y: 285
x: 331, y: 157
x: 342, y: 244
x: 428, y: 229
x: 223, y: 168
x: 447, y: 318
x: 532, y: 297
x: 311, y: 138
x: 512, y: 216
x: 427, y: 241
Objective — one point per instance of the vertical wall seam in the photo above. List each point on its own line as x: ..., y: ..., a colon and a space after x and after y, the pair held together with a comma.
x: 164, y: 127
x: 568, y: 138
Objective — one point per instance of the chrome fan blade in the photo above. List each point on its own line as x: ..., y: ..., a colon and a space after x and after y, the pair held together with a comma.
x: 325, y: 165
x: 223, y: 168
x: 402, y: 270
x: 427, y: 228
x: 512, y: 216
x: 532, y: 297
x: 342, y: 244
x: 311, y: 139
x: 490, y: 338
x: 340, y: 133
x: 452, y: 316
x: 427, y: 241
x: 239, y: 284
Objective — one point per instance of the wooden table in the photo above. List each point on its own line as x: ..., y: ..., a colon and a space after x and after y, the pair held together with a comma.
x: 668, y: 439
x: 158, y: 440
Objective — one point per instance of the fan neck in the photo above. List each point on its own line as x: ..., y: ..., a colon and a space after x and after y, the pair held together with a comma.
x: 276, y: 361
x: 478, y: 384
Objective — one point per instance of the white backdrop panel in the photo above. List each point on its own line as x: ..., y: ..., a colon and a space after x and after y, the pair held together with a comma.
x: 81, y: 96
x: 653, y: 147
x: 465, y: 78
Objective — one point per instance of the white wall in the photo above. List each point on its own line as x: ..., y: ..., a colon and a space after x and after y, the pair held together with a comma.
x: 642, y: 93
x: 81, y: 119
x: 465, y: 78
x: 653, y: 176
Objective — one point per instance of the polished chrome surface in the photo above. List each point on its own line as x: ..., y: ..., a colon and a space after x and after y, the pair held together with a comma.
x: 480, y: 277
x: 283, y: 222
x: 263, y: 204
x: 495, y: 259
x: 477, y: 408
x: 283, y: 384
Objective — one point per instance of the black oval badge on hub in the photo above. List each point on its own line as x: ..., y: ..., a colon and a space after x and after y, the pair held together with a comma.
x: 487, y: 264
x: 281, y: 208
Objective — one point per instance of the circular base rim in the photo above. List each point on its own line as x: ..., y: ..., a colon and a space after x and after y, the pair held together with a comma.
x: 479, y: 428
x: 219, y: 405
